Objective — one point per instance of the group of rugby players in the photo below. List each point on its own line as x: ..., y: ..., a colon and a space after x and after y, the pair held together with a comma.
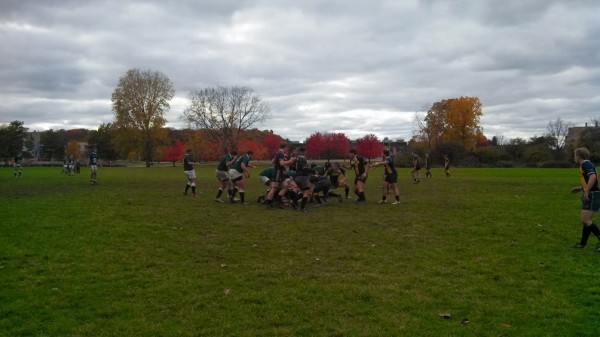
x: 292, y: 182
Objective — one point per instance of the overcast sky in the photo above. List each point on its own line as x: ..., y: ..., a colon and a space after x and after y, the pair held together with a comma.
x: 357, y: 67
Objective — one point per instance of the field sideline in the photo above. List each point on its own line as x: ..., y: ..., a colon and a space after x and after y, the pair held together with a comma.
x: 487, y: 249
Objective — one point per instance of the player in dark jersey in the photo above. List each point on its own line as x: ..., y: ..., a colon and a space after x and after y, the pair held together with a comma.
x: 415, y: 172
x: 189, y: 172
x: 590, y: 200
x: 361, y: 168
x: 390, y: 177
x: 18, y: 160
x: 301, y: 177
x: 223, y: 176
x: 447, y: 165
x: 322, y: 184
x: 237, y: 173
x: 427, y: 166
x: 279, y: 163
x: 337, y: 176
x: 93, y: 164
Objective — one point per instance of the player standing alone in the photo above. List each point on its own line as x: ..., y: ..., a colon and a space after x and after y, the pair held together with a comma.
x: 17, y: 165
x: 590, y: 200
x: 415, y: 172
x: 189, y: 172
x: 447, y: 165
x: 93, y: 163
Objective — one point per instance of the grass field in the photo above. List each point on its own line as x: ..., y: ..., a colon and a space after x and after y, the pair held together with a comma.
x: 488, y: 248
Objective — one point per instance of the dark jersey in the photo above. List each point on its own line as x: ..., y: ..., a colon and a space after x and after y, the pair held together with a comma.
x: 18, y: 159
x: 93, y: 158
x: 269, y: 173
x: 416, y: 162
x: 237, y: 165
x: 334, y: 175
x: 390, y: 168
x: 279, y: 156
x: 223, y: 163
x: 301, y: 167
x: 187, y: 163
x: 359, y: 165
x: 587, y: 170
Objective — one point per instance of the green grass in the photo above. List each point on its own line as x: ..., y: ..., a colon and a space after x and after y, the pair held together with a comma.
x: 131, y: 256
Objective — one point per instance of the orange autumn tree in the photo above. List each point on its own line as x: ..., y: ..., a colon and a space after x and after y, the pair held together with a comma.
x: 453, y: 119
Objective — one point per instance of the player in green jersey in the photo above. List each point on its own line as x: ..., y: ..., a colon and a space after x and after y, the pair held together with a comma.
x: 93, y: 164
x: 223, y: 176
x: 17, y: 165
x: 237, y: 173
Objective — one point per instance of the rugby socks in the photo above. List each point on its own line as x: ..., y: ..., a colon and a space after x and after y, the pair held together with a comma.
x: 384, y: 198
x: 595, y: 230
x: 304, y: 201
x: 361, y: 196
x: 194, y: 189
x: 187, y: 187
x: 397, y: 198
x: 219, y: 193
x: 242, y: 196
x: 318, y: 198
x: 585, y: 234
x: 347, y: 190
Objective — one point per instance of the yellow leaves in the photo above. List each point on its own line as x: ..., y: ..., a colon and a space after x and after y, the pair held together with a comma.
x: 454, y: 119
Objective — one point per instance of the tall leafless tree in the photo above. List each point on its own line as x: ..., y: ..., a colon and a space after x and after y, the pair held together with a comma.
x: 225, y: 112
x: 557, y: 131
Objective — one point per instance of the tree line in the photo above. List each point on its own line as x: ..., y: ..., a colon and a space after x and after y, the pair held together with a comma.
x: 224, y: 118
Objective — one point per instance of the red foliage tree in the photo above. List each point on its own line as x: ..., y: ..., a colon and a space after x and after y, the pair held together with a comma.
x: 271, y: 144
x: 369, y: 146
x: 174, y: 152
x: 245, y: 145
x: 327, y: 145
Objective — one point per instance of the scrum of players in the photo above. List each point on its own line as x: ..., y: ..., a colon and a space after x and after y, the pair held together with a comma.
x: 292, y: 182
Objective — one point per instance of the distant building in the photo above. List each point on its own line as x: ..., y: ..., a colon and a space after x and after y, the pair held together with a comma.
x: 575, y: 133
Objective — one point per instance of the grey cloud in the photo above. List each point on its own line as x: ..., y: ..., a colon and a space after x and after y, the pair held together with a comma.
x: 319, y: 64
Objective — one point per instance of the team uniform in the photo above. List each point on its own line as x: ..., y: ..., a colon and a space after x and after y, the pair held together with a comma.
x: 586, y: 170
x: 65, y: 165
x: 427, y: 167
x: 190, y: 173
x: 17, y: 165
x: 447, y: 166
x: 236, y: 173
x: 71, y: 167
x: 93, y: 160
x: 335, y: 174
x: 279, y: 169
x: 223, y: 176
x: 359, y: 165
x: 416, y: 169
x: 222, y: 168
x: 302, y: 180
x: 267, y: 176
x: 390, y: 173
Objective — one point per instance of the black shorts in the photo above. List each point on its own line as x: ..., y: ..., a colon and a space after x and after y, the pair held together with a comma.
x: 279, y: 176
x: 417, y: 167
x: 360, y: 178
x: 593, y: 202
x: 323, y: 185
x: 303, y: 182
x: 391, y: 178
